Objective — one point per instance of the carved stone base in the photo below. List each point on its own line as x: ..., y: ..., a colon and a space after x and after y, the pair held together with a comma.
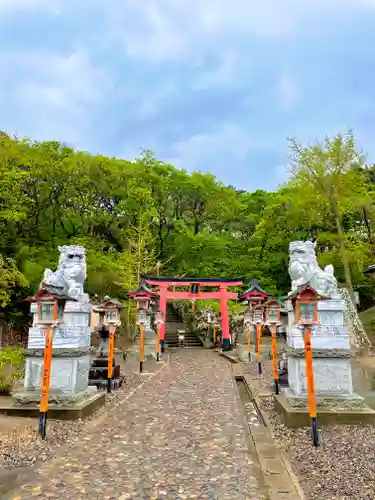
x: 332, y: 376
x: 326, y: 402
x: 69, y: 374
x: 330, y: 411
x: 55, y: 397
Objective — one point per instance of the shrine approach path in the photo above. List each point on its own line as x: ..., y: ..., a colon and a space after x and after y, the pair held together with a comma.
x: 181, y: 435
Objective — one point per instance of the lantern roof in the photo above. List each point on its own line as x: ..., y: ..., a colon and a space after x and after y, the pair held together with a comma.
x: 305, y: 292
x: 142, y: 291
x: 254, y: 290
x: 108, y: 303
x: 49, y: 292
x: 272, y: 302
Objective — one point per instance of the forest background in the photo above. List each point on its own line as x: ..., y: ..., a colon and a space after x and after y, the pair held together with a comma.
x: 147, y: 217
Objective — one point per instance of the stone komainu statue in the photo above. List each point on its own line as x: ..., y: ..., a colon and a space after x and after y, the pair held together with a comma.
x: 304, y: 269
x: 71, y: 271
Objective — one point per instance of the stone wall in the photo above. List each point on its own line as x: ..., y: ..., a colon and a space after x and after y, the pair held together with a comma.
x: 358, y: 338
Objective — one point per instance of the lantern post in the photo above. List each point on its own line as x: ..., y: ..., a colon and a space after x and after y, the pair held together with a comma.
x: 258, y: 321
x: 307, y: 315
x: 248, y: 316
x: 143, y: 303
x: 273, y: 320
x: 112, y: 320
x: 143, y: 297
x: 158, y: 321
x: 109, y: 319
x: 50, y: 311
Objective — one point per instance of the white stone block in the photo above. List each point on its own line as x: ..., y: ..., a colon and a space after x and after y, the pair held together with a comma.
x: 64, y: 337
x: 332, y: 376
x: 68, y: 374
x: 323, y: 337
x: 330, y: 333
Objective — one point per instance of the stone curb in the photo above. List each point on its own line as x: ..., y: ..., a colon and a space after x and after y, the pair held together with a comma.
x: 277, y: 472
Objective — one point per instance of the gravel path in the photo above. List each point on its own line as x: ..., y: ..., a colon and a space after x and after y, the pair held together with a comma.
x: 22, y: 447
x: 181, y: 436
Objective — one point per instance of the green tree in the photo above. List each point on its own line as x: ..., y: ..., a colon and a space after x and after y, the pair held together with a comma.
x: 329, y: 171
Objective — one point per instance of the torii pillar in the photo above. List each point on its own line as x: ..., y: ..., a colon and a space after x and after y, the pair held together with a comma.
x: 163, y: 309
x: 224, y: 318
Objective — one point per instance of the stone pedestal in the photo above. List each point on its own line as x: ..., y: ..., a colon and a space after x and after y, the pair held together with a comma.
x: 71, y: 357
x: 331, y: 358
x: 150, y: 342
x: 241, y: 345
x: 98, y: 375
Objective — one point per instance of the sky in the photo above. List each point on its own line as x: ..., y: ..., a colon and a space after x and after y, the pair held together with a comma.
x: 209, y: 85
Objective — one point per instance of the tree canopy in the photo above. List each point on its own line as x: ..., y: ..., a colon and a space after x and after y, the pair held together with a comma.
x: 138, y: 216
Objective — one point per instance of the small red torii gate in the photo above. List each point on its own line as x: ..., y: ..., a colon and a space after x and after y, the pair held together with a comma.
x: 196, y: 294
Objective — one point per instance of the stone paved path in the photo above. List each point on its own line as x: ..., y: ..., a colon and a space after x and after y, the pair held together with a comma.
x: 181, y: 436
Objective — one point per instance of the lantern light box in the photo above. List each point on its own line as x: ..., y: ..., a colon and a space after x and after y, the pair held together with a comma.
x: 258, y: 316
x: 306, y: 306
x: 142, y: 317
x: 247, y: 318
x: 273, y: 312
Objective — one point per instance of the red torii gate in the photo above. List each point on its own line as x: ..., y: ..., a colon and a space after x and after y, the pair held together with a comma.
x: 196, y: 294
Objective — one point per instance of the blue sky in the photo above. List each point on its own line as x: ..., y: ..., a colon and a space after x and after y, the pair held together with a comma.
x: 212, y: 85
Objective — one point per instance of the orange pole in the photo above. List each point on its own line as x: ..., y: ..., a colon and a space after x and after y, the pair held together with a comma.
x: 141, y: 346
x: 45, y: 381
x: 157, y: 342
x: 259, y: 333
x: 214, y: 335
x: 111, y: 352
x: 310, y: 385
x: 249, y: 342
x: 274, y: 359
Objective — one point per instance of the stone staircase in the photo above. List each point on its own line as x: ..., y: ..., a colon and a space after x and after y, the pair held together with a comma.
x: 173, y: 324
x: 357, y: 336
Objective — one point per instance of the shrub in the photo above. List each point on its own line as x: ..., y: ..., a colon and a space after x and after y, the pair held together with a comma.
x: 12, y: 368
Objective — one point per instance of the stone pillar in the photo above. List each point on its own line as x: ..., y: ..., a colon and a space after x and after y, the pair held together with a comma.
x: 331, y: 358
x: 150, y: 342
x: 71, y: 357
x: 241, y: 348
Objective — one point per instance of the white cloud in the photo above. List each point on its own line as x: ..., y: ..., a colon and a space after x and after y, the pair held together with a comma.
x: 10, y: 6
x: 54, y: 92
x: 151, y: 104
x: 166, y: 30
x: 227, y: 138
x: 287, y: 91
x: 227, y: 73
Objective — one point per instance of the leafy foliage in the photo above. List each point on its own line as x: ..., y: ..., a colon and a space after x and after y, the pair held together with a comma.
x: 146, y: 216
x: 12, y: 368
